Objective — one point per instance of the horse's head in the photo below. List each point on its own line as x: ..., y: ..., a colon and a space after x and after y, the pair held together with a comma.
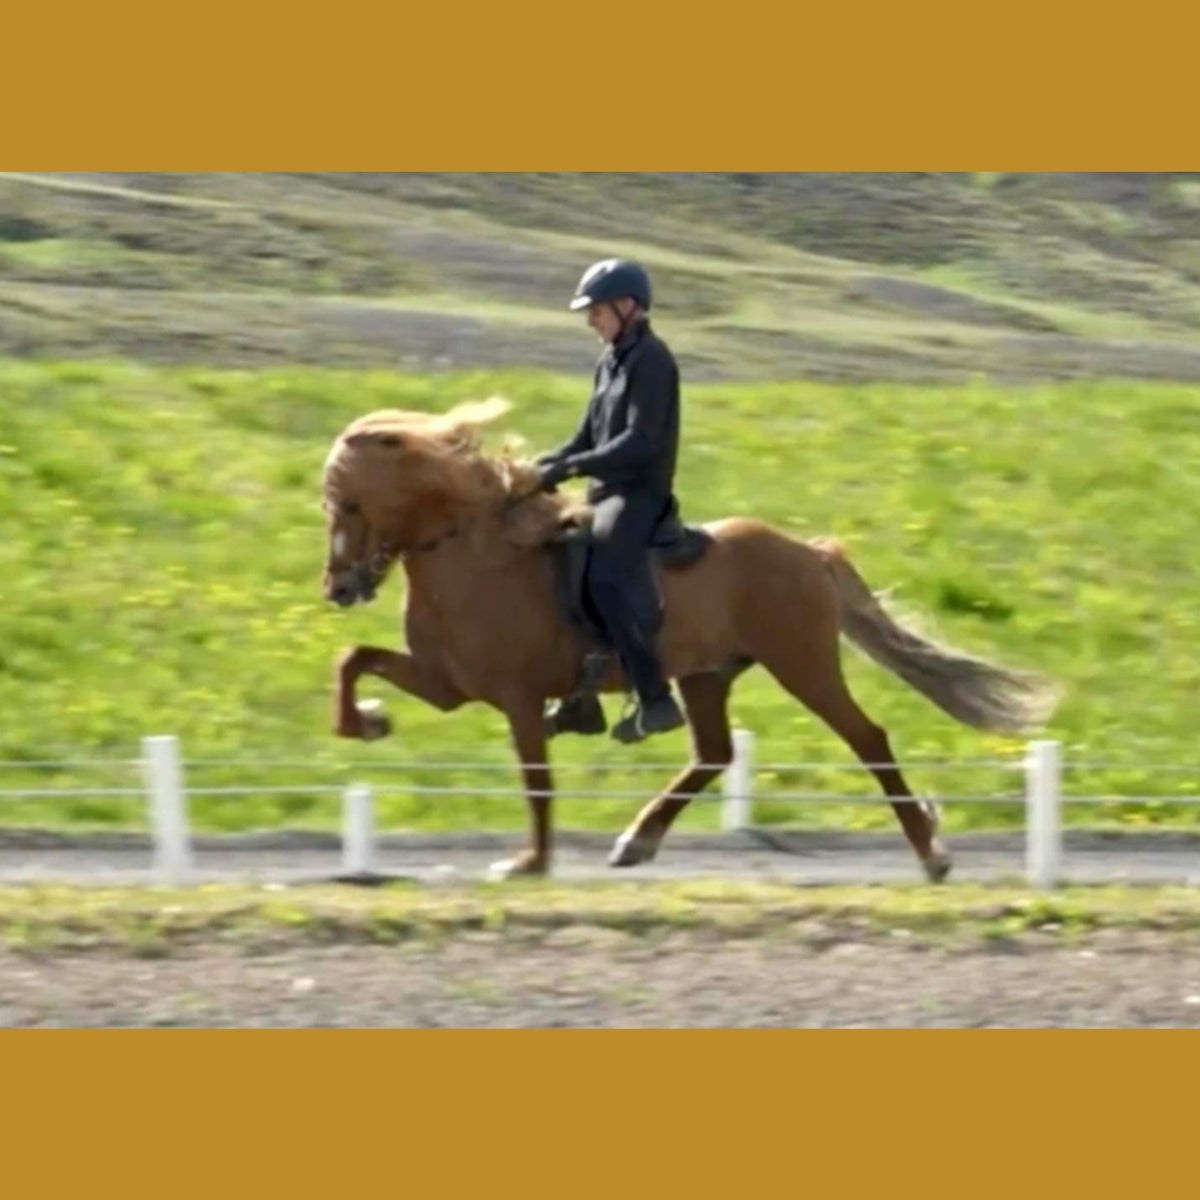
x: 358, y: 520
x: 397, y: 482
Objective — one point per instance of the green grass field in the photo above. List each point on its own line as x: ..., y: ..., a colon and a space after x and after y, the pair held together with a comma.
x: 154, y: 923
x: 161, y: 545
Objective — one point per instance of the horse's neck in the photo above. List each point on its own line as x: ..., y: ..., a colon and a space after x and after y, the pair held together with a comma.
x: 466, y: 576
x: 477, y: 604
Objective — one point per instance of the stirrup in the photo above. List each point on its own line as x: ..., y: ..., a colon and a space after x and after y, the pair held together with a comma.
x: 630, y: 728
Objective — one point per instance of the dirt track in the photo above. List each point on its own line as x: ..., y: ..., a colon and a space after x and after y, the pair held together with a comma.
x: 581, y: 976
x: 810, y: 972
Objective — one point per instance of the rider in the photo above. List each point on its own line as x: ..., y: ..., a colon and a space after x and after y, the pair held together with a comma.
x: 627, y: 446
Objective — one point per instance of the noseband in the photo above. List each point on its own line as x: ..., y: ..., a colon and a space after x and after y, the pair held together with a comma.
x: 368, y: 574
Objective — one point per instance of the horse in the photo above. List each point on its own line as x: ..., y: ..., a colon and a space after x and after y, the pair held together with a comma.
x: 484, y: 621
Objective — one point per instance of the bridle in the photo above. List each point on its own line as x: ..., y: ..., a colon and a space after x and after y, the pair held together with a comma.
x: 368, y: 573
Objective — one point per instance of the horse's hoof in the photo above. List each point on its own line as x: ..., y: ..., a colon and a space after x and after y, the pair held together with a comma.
x: 522, y: 866
x: 374, y: 723
x: 937, y: 864
x: 630, y: 850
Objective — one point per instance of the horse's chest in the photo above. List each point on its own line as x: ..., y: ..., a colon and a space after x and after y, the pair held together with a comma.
x: 458, y: 648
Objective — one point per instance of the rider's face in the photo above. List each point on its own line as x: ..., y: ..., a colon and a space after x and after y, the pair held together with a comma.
x: 605, y: 321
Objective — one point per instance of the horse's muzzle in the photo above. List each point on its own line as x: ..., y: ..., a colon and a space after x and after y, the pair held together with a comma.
x: 356, y: 586
x: 343, y: 595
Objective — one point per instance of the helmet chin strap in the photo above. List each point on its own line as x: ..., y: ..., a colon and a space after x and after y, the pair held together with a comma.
x: 623, y: 323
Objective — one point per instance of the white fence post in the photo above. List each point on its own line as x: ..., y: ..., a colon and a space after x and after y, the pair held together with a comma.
x: 167, y: 802
x: 358, y: 830
x: 736, y: 809
x: 1043, y: 824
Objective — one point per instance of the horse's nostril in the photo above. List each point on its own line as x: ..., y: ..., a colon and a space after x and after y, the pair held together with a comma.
x: 342, y: 594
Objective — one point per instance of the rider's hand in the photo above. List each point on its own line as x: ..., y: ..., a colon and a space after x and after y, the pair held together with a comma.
x: 552, y: 473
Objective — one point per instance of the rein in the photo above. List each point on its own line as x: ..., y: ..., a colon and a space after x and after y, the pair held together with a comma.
x: 386, y: 551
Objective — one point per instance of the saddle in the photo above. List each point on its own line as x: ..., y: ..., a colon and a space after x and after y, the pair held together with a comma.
x: 675, y: 546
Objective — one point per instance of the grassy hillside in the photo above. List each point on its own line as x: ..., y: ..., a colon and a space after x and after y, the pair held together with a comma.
x: 161, y: 544
x: 918, y: 277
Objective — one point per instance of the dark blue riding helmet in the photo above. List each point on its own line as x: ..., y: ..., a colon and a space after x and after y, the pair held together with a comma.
x: 612, y: 279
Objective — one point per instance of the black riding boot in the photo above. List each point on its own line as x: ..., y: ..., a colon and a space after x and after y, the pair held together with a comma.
x: 655, y: 710
x: 581, y: 711
x: 578, y: 713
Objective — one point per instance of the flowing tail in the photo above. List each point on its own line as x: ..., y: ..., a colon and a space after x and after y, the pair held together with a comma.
x: 977, y: 693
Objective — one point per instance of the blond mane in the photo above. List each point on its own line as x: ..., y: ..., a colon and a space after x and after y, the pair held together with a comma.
x: 449, y: 446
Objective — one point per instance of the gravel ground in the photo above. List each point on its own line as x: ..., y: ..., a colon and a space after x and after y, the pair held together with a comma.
x: 587, y: 977
x: 802, y: 974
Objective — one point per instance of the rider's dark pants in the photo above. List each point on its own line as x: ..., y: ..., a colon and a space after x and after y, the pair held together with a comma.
x: 621, y: 584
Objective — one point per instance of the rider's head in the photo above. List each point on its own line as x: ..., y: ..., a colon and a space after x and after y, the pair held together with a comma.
x: 615, y: 293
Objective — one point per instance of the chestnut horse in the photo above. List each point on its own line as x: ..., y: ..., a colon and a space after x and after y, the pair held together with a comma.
x: 484, y: 622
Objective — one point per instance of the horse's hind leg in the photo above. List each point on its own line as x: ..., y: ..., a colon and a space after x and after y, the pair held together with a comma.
x: 811, y: 669
x: 704, y: 698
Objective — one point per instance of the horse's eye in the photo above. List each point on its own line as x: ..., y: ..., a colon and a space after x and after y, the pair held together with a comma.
x: 349, y: 509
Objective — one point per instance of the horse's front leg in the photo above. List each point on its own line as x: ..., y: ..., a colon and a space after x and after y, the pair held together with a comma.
x: 416, y: 678
x: 529, y: 741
